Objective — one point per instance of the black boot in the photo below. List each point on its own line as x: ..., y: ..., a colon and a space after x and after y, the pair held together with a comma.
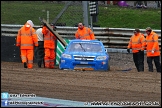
x: 39, y: 64
x: 25, y: 65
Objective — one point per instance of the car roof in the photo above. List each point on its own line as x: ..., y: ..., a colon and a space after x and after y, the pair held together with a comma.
x: 78, y: 40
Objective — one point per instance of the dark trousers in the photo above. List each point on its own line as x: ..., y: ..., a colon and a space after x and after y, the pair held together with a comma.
x: 138, y: 59
x: 40, y: 53
x: 156, y: 61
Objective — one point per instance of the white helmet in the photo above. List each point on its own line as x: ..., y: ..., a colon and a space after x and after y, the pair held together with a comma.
x: 30, y: 22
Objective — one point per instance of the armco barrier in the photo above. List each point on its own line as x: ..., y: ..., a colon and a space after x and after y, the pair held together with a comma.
x: 117, y: 38
x: 111, y: 37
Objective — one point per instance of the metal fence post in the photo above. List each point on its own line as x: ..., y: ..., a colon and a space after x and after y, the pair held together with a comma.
x: 85, y: 12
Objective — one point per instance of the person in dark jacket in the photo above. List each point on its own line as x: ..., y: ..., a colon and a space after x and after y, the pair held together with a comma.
x: 40, y: 48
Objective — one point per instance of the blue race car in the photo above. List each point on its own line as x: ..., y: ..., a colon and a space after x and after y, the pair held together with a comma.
x: 85, y: 55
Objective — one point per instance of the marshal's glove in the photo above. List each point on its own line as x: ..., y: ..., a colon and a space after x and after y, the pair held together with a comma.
x: 128, y: 50
x: 152, y: 51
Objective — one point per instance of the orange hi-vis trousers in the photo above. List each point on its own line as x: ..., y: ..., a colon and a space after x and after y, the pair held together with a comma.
x: 49, y: 58
x: 27, y: 56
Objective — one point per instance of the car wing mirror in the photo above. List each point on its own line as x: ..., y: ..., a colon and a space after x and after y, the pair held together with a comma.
x: 106, y: 50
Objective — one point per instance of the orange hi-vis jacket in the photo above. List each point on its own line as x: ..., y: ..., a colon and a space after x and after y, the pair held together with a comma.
x: 26, y: 38
x: 84, y: 34
x: 152, y: 44
x: 49, y: 38
x: 137, y: 42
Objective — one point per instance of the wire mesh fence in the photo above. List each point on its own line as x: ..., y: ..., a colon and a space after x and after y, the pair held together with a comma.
x: 63, y: 13
x: 75, y: 14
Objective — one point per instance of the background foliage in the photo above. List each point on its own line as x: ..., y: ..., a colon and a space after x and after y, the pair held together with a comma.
x: 18, y: 12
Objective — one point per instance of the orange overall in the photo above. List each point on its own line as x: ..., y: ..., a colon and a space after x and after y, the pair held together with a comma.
x: 153, y: 51
x: 152, y: 44
x: 49, y: 46
x: 137, y: 42
x: 84, y: 34
x: 26, y: 40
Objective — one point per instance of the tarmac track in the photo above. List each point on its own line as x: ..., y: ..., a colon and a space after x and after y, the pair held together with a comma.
x: 81, y: 85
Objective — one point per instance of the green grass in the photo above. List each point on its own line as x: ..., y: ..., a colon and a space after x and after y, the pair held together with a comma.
x: 14, y: 12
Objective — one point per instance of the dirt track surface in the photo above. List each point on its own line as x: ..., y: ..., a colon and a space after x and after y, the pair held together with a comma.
x: 82, y: 85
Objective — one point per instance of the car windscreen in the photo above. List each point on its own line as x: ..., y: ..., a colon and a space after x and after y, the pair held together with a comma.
x: 94, y: 47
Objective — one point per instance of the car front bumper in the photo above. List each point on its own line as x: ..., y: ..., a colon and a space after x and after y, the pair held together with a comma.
x: 84, y: 65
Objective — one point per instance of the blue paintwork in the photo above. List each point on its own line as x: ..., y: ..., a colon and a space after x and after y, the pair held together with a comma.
x: 83, y: 54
